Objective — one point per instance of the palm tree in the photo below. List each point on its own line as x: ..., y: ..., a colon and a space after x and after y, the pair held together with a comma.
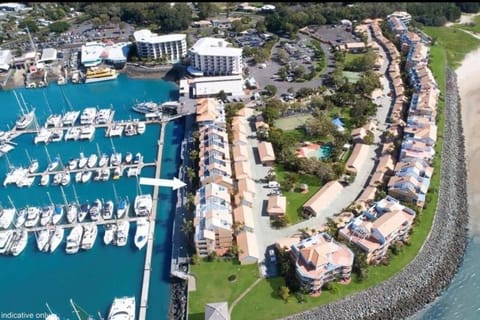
x: 187, y: 226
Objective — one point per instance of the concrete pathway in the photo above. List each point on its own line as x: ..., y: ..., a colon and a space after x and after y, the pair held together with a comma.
x: 243, y: 295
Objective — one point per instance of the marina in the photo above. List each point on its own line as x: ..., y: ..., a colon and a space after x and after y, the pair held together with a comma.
x: 100, y: 254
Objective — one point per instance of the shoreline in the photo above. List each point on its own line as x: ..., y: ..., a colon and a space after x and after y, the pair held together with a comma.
x: 441, y: 255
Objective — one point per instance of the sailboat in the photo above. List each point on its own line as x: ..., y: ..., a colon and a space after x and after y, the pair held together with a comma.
x: 80, y: 313
x: 72, y: 209
x: 33, y: 164
x: 51, y: 315
x: 47, y: 212
x: 103, y: 158
x: 123, y: 205
x: 26, y: 119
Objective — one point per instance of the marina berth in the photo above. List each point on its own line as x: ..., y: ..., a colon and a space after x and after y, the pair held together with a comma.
x: 74, y: 239
x: 72, y: 212
x: 117, y: 172
x: 138, y: 158
x: 92, y: 160
x: 122, y: 309
x: 25, y: 181
x: 128, y: 158
x: 56, y: 238
x: 65, y: 179
x: 82, y: 161
x: 73, y: 133
x: 6, y: 217
x: 56, y: 136
x: 130, y: 130
x: 133, y: 171
x: 53, y: 120
x: 87, y: 132
x: 141, y: 127
x: 110, y: 231
x: 86, y: 176
x: 72, y: 164
x: 115, y: 159
x: 116, y: 130
x: 90, y: 231
x: 19, y: 242
x: 121, y: 237
x: 141, y: 233
x: 42, y: 136
x: 123, y: 208
x: 43, y: 240
x: 6, y: 238
x: 70, y: 118
x: 103, y: 160
x: 33, y: 166
x: 88, y: 116
x: 143, y: 205
x: 54, y: 164
x: 78, y: 176
x: 45, y: 179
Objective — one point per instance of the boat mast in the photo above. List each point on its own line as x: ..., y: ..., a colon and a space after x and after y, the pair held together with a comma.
x: 75, y: 194
x: 11, y: 203
x: 19, y: 104
x: 28, y: 156
x: 98, y: 150
x: 48, y: 307
x: 48, y: 155
x: 49, y: 198
x: 64, y: 196
x: 24, y: 103
x: 115, y: 192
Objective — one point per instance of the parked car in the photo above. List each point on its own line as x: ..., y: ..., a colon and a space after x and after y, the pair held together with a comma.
x: 271, y: 255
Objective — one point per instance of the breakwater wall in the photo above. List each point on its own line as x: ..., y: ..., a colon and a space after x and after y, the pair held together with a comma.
x: 420, y: 282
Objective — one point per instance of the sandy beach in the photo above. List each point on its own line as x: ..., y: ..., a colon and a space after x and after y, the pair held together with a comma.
x: 469, y: 88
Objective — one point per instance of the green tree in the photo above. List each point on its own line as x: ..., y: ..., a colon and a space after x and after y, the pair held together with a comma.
x: 187, y: 226
x: 207, y: 9
x: 221, y: 95
x: 271, y: 89
x: 59, y: 26
x: 284, y: 293
x: 30, y: 24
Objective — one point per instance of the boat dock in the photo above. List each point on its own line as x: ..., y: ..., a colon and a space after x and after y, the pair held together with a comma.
x: 151, y: 232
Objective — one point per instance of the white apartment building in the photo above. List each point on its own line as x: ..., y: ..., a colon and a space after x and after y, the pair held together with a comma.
x: 152, y: 45
x: 215, y: 57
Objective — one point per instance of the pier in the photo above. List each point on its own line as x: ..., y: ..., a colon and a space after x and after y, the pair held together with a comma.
x: 151, y: 232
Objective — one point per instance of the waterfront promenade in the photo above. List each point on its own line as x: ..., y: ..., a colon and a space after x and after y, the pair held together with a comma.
x: 151, y: 231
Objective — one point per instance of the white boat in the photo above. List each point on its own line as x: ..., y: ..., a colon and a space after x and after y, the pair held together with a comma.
x: 138, y: 158
x: 46, y: 215
x: 121, y: 237
x: 117, y: 172
x: 14, y: 175
x: 54, y: 164
x: 57, y: 178
x: 57, y: 214
x: 122, y: 309
x: 19, y: 242
x: 33, y: 216
x: 96, y: 74
x: 72, y: 212
x: 25, y: 120
x: 90, y: 231
x: 95, y: 210
x: 45, y: 179
x: 143, y: 204
x: 110, y: 230
x: 133, y: 171
x: 141, y: 234
x: 56, y: 136
x: 141, y: 127
x: 115, y: 159
x: 65, y: 179
x: 42, y: 136
x: 78, y: 176
x: 53, y: 120
x: 82, y: 161
x: 72, y: 164
x: 103, y: 116
x: 33, y: 166
x: 92, y: 160
x: 128, y: 157
x: 5, y: 148
x: 6, y: 238
x: 70, y: 118
x: 104, y: 174
x: 20, y: 218
x: 43, y: 240
x: 6, y: 217
x: 123, y: 207
x: 88, y: 116
x: 82, y: 213
x: 146, y: 107
x: 115, y: 131
x: 130, y: 130
x: 87, y: 132
x: 73, y: 133
x: 107, y: 212
x: 25, y: 181
x: 86, y: 176
x: 56, y: 238
x: 74, y: 239
x: 103, y: 160
x: 61, y: 81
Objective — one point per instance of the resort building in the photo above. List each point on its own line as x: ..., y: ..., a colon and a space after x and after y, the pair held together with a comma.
x: 322, y: 199
x: 266, y: 153
x: 243, y: 217
x: 242, y: 170
x: 151, y: 45
x: 49, y: 55
x: 357, y: 158
x: 215, y: 57
x: 247, y: 247
x: 277, y: 206
x: 211, y: 86
x: 92, y: 54
x: 397, y: 26
x: 319, y: 260
x: 377, y: 228
x: 210, y: 111
x: 6, y: 59
x: 213, y: 220
x: 240, y: 153
x: 416, y: 149
x: 403, y: 16
x: 385, y: 167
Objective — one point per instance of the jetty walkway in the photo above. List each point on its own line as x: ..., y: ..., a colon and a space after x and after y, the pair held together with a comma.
x: 151, y: 232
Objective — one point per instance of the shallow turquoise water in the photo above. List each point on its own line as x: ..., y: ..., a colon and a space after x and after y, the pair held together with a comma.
x: 91, y: 278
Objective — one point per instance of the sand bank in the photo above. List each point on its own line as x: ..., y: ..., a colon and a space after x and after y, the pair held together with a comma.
x: 469, y: 89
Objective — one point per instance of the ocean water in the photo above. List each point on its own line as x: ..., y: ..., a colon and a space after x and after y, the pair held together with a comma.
x: 92, y: 279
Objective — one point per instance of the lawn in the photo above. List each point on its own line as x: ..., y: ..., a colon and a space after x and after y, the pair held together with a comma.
x: 474, y: 28
x: 352, y: 76
x: 213, y: 285
x: 349, y: 57
x: 292, y: 122
x: 295, y: 200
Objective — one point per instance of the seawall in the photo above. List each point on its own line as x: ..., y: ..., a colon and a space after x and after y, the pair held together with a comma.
x: 420, y: 282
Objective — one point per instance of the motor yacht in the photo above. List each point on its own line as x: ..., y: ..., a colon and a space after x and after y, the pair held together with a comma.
x: 90, y: 231
x: 25, y: 120
x: 56, y: 136
x: 146, y: 107
x: 102, y: 116
x: 130, y: 130
x: 42, y: 136
x: 6, y: 217
x: 115, y: 159
x: 19, y: 242
x: 54, y: 164
x: 33, y: 166
x: 25, y: 181
x: 65, y: 179
x: 33, y: 216
x: 72, y: 212
x: 95, y: 210
x: 46, y: 215
x: 92, y: 160
x: 122, y: 208
x: 70, y: 118
x: 121, y: 237
x: 141, y: 233
x: 56, y: 238
x: 82, y: 213
x: 43, y: 240
x: 72, y: 164
x: 57, y: 214
x: 122, y: 309
x: 115, y: 131
x: 138, y: 158
x: 86, y: 175
x: 73, y: 133
x: 107, y: 212
x: 74, y: 239
x: 57, y: 178
x: 110, y: 230
x: 143, y: 204
x: 141, y: 127
x: 53, y: 120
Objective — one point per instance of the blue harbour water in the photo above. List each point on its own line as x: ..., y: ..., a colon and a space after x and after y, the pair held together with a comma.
x: 91, y: 278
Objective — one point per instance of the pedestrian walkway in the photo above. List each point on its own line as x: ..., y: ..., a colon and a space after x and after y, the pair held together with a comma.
x: 243, y: 295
